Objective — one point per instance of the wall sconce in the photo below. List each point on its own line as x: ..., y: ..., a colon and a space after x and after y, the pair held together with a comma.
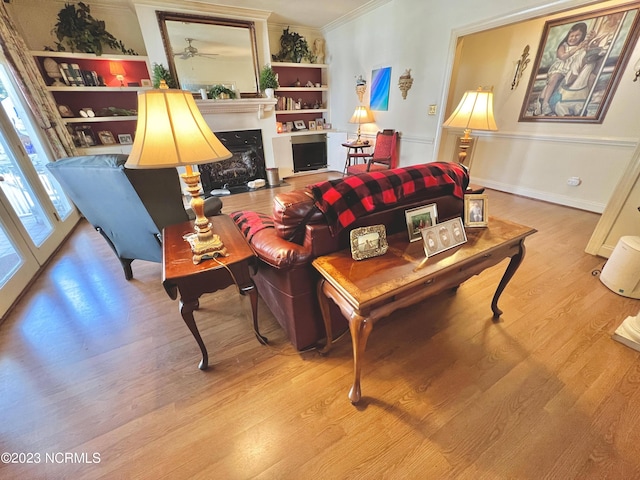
x: 117, y: 70
x: 361, y: 87
x: 521, y: 66
x: 405, y: 83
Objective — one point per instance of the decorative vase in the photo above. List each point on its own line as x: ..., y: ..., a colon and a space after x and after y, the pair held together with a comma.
x: 269, y: 92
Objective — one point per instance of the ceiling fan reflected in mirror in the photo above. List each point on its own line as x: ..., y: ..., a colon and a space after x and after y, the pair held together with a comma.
x: 190, y: 51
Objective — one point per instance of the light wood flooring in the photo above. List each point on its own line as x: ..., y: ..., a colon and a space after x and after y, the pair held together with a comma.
x: 99, y: 377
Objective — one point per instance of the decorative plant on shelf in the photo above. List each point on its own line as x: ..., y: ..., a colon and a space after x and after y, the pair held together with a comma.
x: 293, y: 48
x: 268, y: 80
x: 220, y: 91
x: 160, y: 72
x: 79, y: 31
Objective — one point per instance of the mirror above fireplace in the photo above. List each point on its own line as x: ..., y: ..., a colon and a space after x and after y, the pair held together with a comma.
x: 204, y: 51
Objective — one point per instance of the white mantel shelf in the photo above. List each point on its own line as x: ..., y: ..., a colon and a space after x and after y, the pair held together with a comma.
x: 241, y: 105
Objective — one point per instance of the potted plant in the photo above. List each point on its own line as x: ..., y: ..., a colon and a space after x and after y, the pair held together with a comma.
x: 268, y: 81
x: 160, y: 72
x: 78, y: 30
x: 293, y: 48
x: 221, y: 92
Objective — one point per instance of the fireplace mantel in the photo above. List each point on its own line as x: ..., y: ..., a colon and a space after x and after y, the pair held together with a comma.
x: 241, y: 105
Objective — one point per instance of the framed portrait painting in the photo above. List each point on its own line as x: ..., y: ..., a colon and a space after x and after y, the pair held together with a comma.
x: 578, y: 65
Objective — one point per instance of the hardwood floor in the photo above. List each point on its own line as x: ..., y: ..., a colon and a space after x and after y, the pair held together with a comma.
x: 99, y: 377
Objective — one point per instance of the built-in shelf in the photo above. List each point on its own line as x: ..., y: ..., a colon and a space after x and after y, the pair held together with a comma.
x: 299, y: 65
x: 324, y: 88
x: 308, y: 110
x: 97, y: 89
x: 123, y: 118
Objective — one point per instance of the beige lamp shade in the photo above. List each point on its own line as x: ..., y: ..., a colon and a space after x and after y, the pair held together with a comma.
x: 116, y: 68
x: 474, y: 112
x: 171, y: 132
x: 362, y: 114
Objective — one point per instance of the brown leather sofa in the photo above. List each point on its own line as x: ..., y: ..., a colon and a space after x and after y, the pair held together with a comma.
x: 298, y: 232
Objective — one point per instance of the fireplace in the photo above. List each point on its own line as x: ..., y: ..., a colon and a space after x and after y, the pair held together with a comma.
x: 246, y: 164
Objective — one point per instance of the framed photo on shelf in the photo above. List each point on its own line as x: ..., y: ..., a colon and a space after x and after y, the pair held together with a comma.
x: 299, y: 124
x: 312, y: 124
x: 65, y: 111
x: 476, y: 210
x: 289, y: 126
x: 443, y: 236
x: 145, y: 82
x: 125, y: 139
x: 106, y: 137
x: 420, y: 218
x: 367, y: 242
x: 320, y: 123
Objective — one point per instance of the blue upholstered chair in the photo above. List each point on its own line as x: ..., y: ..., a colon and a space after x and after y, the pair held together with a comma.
x: 128, y: 207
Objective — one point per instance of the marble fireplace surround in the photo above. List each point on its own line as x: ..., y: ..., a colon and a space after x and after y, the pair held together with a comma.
x: 243, y: 114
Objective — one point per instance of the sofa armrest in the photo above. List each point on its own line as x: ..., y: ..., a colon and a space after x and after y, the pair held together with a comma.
x: 278, y: 252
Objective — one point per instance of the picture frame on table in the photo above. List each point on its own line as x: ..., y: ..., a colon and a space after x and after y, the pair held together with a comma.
x: 476, y: 210
x: 312, y: 124
x: 125, y: 138
x: 578, y: 65
x: 320, y: 123
x: 368, y: 242
x: 419, y: 218
x: 299, y: 124
x: 443, y: 236
x: 106, y: 137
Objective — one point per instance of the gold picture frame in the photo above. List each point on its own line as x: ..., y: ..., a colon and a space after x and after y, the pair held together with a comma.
x: 476, y: 210
x: 367, y: 242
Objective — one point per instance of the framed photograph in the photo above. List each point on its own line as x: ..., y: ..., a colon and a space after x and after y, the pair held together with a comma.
x: 312, y: 124
x: 327, y: 126
x: 299, y: 124
x: 106, y: 137
x: 65, y: 111
x: 145, y: 82
x: 367, y: 242
x: 420, y: 218
x: 578, y: 65
x: 125, y: 138
x: 319, y: 123
x: 476, y: 210
x: 443, y: 236
x: 289, y: 127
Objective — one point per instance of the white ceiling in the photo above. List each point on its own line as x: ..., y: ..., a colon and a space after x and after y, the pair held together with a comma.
x: 307, y: 13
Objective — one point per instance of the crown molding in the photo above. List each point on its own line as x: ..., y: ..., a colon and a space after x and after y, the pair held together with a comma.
x: 367, y: 7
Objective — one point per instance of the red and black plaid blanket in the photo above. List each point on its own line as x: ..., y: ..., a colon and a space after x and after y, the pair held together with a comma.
x: 344, y: 200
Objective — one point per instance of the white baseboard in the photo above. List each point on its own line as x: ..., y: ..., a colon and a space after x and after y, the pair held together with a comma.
x: 541, y: 195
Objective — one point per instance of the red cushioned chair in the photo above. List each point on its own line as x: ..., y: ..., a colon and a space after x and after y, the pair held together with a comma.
x: 384, y: 156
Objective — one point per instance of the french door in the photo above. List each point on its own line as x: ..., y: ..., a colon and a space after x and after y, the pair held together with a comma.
x: 35, y: 215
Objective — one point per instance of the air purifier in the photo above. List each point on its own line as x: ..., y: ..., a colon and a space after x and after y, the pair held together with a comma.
x: 621, y: 273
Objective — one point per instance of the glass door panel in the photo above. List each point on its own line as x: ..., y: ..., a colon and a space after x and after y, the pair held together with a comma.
x: 32, y: 145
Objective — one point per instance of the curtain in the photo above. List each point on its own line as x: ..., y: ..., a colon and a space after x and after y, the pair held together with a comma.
x: 23, y: 69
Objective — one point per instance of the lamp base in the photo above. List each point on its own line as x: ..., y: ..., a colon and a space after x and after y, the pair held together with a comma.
x: 205, y: 249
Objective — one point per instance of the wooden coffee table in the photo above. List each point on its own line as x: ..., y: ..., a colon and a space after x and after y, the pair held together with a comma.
x: 191, y: 280
x: 370, y: 289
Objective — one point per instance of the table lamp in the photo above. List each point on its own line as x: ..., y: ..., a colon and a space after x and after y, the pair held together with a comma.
x: 117, y: 70
x: 361, y: 115
x: 475, y: 111
x: 171, y: 132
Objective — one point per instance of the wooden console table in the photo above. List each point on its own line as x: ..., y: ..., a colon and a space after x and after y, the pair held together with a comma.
x: 370, y: 289
x: 181, y: 275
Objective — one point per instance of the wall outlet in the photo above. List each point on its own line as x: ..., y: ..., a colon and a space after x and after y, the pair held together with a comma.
x: 432, y: 109
x: 574, y: 181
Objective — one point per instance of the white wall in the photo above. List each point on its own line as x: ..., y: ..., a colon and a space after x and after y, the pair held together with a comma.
x: 533, y: 159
